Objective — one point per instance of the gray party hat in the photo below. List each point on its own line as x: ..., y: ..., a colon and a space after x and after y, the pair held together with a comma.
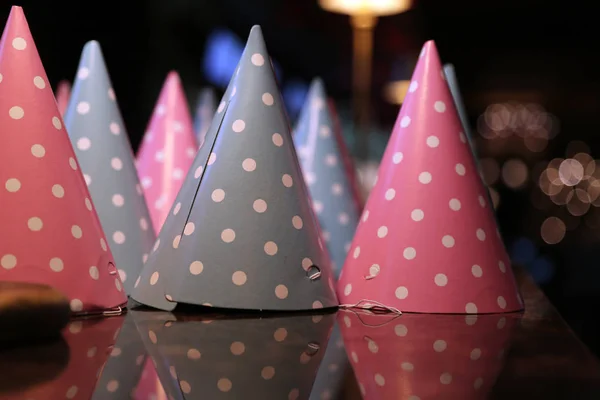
x: 123, y: 370
x: 206, y: 107
x: 258, y: 358
x: 325, y: 174
x: 460, y: 105
x: 241, y: 233
x: 100, y: 140
x: 332, y: 371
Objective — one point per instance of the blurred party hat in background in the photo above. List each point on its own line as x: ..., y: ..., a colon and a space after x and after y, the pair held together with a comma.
x: 46, y: 205
x: 241, y: 234
x: 428, y: 241
x: 100, y: 140
x: 263, y: 358
x: 325, y: 174
x: 434, y: 356
x: 206, y: 107
x: 460, y: 105
x: 167, y: 150
x: 63, y: 92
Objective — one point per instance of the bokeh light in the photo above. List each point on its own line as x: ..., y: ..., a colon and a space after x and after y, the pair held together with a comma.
x: 514, y: 173
x: 553, y: 230
x: 490, y: 170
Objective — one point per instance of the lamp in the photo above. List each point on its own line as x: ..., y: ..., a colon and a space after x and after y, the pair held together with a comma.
x: 363, y: 17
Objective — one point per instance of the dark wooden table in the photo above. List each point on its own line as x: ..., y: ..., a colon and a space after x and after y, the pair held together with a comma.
x: 273, y: 356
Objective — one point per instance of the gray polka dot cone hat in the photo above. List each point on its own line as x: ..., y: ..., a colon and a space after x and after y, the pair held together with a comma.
x: 241, y: 233
x: 103, y: 150
x: 266, y: 358
x: 332, y: 371
x: 206, y: 107
x: 325, y: 174
x: 123, y: 369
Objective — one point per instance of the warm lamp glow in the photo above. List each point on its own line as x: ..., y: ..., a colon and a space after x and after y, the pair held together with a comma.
x: 376, y: 8
x: 394, y: 92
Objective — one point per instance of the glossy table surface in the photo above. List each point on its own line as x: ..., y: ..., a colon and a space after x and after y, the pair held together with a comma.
x: 147, y: 355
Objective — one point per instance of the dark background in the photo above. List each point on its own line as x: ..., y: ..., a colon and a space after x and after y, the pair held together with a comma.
x: 524, y: 61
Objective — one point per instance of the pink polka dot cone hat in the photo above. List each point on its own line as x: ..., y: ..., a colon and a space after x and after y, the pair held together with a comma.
x: 325, y: 174
x: 241, y: 234
x: 50, y: 232
x: 434, y: 356
x: 427, y: 241
x: 237, y: 358
x: 167, y: 150
x: 87, y: 347
x: 149, y: 385
x: 102, y: 146
x: 63, y: 92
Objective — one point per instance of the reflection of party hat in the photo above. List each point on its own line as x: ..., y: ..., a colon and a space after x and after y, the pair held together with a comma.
x: 241, y: 233
x: 90, y: 342
x: 123, y: 369
x: 205, y: 110
x: 427, y: 240
x: 167, y: 150
x: 103, y: 150
x: 460, y: 106
x: 434, y: 356
x: 50, y: 232
x: 63, y: 92
x: 262, y: 358
x: 325, y: 174
x: 332, y: 371
x: 149, y: 386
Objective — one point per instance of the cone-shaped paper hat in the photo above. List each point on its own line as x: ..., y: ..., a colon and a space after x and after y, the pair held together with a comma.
x: 460, y: 105
x: 241, y: 233
x: 325, y: 174
x: 205, y: 110
x: 63, y: 92
x: 332, y: 371
x: 149, y: 387
x: 103, y: 150
x: 89, y: 346
x: 123, y: 369
x: 427, y: 240
x: 50, y: 232
x: 434, y: 356
x: 167, y: 150
x: 271, y: 358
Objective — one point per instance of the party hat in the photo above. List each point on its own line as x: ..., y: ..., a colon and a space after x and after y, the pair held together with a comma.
x: 205, y: 110
x: 241, y: 234
x: 167, y: 150
x: 88, y: 346
x: 123, y: 369
x: 50, y: 232
x: 428, y: 241
x: 325, y: 174
x: 103, y: 150
x: 263, y: 358
x: 459, y: 104
x: 63, y: 92
x: 434, y: 356
x: 332, y: 371
x: 149, y: 386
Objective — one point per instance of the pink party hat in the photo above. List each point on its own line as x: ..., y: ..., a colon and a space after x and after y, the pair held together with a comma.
x: 149, y: 387
x: 63, y: 93
x: 434, y: 356
x: 427, y: 240
x: 89, y: 343
x: 167, y: 150
x: 50, y: 232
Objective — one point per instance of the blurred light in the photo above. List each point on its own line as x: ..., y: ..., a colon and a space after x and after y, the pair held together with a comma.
x: 368, y: 7
x: 294, y: 92
x: 553, y: 230
x: 394, y: 92
x: 223, y: 52
x: 514, y: 173
x: 563, y: 196
x: 483, y: 128
x: 542, y: 270
x: 593, y: 190
x: 490, y: 170
x: 495, y: 197
x: 577, y: 146
x: 535, y: 143
x: 579, y: 204
x: 549, y: 182
x: 523, y: 251
x: 570, y: 172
